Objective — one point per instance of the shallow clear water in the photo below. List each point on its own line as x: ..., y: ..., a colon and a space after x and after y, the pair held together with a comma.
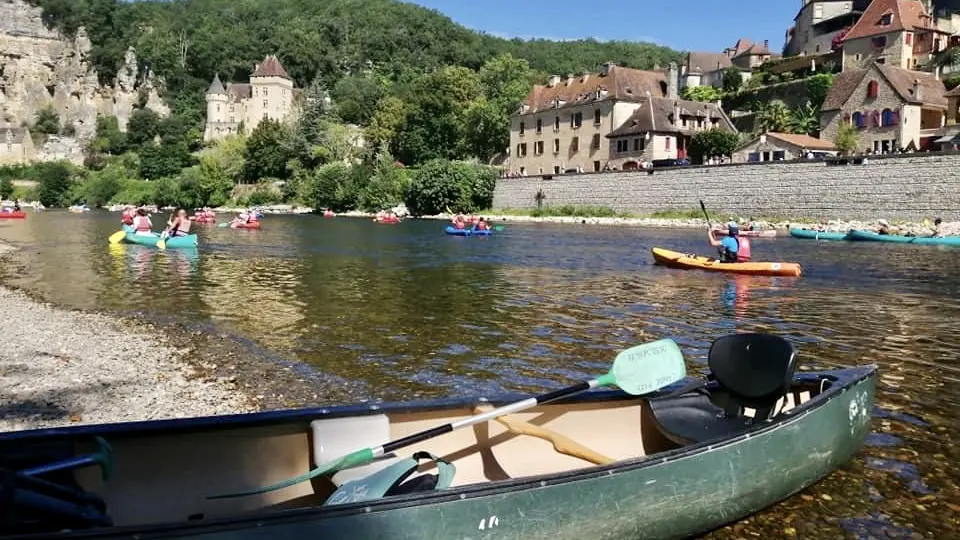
x: 371, y: 311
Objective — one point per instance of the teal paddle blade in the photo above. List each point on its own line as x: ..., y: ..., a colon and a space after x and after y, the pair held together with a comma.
x: 646, y: 368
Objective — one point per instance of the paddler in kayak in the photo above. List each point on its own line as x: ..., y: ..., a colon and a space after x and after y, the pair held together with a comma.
x: 141, y: 223
x: 242, y: 218
x: 481, y: 225
x: 178, y: 224
x: 732, y: 247
x: 127, y: 216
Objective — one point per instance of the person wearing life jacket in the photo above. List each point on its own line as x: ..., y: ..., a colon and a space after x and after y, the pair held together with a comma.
x: 142, y: 223
x: 178, y: 225
x: 481, y: 224
x: 732, y: 247
x: 127, y: 216
x: 458, y: 223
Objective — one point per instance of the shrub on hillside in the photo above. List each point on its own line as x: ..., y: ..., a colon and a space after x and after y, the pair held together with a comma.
x: 441, y: 184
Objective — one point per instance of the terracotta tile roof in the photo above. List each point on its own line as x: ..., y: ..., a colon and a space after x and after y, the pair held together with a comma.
x: 904, y: 15
x: 803, y: 141
x: 706, y: 62
x: 657, y: 115
x: 620, y: 83
x: 746, y: 47
x: 270, y: 67
x: 239, y: 90
x: 901, y: 80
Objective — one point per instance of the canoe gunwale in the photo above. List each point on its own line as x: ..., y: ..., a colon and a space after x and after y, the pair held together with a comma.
x: 843, y: 380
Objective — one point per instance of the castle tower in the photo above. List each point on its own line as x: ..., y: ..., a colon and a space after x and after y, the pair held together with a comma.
x: 271, y: 92
x: 216, y: 98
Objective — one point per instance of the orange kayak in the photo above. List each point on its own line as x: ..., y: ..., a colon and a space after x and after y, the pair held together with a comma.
x: 696, y: 262
x: 249, y: 225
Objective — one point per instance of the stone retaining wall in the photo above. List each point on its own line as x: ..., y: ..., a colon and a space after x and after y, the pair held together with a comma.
x: 909, y: 187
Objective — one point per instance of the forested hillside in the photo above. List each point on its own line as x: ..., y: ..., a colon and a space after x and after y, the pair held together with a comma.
x: 185, y: 42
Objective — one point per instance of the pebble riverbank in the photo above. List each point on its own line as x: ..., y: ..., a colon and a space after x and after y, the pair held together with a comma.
x: 60, y: 367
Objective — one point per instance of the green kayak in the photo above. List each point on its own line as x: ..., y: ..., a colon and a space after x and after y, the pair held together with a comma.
x: 188, y: 241
x: 868, y: 236
x: 818, y: 235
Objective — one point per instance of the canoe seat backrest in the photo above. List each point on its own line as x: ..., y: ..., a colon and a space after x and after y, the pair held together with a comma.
x: 336, y: 437
x: 757, y: 369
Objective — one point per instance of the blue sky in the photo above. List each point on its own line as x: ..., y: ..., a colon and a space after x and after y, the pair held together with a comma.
x: 701, y: 25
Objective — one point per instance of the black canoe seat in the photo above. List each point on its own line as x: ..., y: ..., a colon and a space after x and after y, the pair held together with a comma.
x: 752, y: 371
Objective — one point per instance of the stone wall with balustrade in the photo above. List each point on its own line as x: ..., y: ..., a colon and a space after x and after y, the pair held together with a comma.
x: 905, y: 187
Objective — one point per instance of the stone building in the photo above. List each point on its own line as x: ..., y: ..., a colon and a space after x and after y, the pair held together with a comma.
x: 16, y: 146
x: 706, y: 68
x: 820, y: 24
x: 240, y: 107
x: 891, y: 108
x: 899, y: 33
x: 772, y: 146
x: 661, y: 128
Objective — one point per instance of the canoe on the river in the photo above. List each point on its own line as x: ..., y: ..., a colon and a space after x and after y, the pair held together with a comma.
x: 387, y: 220
x: 13, y: 215
x: 818, y: 235
x: 715, y: 455
x: 151, y: 240
x: 697, y: 262
x: 467, y: 232
x: 248, y: 225
x: 868, y: 236
x: 748, y: 234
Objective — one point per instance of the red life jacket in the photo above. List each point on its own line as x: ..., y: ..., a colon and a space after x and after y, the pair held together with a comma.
x: 743, y: 249
x: 127, y: 217
x: 142, y: 224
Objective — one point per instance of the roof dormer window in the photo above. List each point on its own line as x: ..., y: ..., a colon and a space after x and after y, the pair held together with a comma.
x: 886, y: 19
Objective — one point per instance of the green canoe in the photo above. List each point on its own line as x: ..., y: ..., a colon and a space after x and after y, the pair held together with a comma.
x: 818, y: 235
x: 677, y: 464
x: 868, y: 236
x: 188, y: 241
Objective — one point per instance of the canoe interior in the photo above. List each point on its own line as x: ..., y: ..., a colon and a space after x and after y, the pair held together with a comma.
x: 163, y: 477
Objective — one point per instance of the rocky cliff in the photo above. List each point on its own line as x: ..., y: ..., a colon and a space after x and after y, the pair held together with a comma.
x: 39, y: 68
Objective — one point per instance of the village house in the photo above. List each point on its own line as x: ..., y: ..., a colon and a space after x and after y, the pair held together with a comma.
x: 240, y: 107
x: 562, y: 125
x: 773, y: 146
x: 951, y: 136
x: 661, y: 128
x: 707, y: 68
x: 898, y: 33
x: 16, y: 146
x: 819, y: 26
x: 891, y: 107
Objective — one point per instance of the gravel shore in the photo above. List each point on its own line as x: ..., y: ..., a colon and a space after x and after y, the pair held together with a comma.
x: 61, y: 367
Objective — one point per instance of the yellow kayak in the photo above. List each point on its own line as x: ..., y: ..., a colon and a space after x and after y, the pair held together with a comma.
x: 696, y: 262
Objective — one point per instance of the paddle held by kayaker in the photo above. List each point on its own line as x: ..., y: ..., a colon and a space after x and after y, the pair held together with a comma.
x: 732, y: 247
x: 178, y: 225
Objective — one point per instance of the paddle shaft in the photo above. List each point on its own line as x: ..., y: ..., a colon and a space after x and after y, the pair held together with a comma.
x: 486, y: 416
x: 705, y: 214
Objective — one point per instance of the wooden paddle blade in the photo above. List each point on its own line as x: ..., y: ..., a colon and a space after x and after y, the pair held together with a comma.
x: 646, y: 368
x: 561, y: 443
x: 117, y: 236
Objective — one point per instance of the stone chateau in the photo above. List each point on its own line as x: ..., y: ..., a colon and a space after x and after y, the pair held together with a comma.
x: 239, y: 107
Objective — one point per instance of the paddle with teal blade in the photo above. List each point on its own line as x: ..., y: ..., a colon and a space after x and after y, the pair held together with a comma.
x: 638, y: 370
x: 222, y: 225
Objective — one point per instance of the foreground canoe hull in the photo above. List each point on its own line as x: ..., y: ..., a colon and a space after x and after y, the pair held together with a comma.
x: 467, y: 232
x: 674, y: 494
x: 868, y: 236
x: 808, y: 234
x: 189, y: 241
x: 675, y: 259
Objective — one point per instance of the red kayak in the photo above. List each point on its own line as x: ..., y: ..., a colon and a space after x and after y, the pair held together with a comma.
x: 249, y: 225
x: 13, y: 215
x: 388, y: 220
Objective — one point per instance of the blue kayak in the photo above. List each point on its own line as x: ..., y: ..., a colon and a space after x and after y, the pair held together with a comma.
x: 868, y: 236
x: 467, y: 232
x: 819, y: 235
x: 151, y: 240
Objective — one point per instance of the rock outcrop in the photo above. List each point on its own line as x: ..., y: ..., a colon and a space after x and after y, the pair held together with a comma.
x: 40, y: 68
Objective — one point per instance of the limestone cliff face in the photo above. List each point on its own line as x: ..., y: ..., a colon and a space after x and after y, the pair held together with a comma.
x: 39, y: 67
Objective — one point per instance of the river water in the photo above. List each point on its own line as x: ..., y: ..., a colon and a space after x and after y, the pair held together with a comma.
x: 363, y: 311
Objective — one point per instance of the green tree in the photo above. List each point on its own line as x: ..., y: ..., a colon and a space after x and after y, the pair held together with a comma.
x: 774, y: 116
x: 732, y: 80
x: 143, y: 127
x: 47, y: 122
x: 336, y: 142
x: 100, y: 187
x: 486, y: 129
x: 818, y: 86
x: 387, y: 121
x: 108, y: 139
x: 440, y: 184
x: 707, y: 94
x: 54, y: 182
x: 266, y: 155
x: 506, y: 81
x: 324, y: 187
x: 712, y: 143
x: 6, y: 188
x: 805, y: 120
x: 221, y: 168
x: 386, y: 186
x: 164, y: 160
x: 846, y: 140
x: 356, y: 97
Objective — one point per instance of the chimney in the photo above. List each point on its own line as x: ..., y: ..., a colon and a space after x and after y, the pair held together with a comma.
x: 917, y: 94
x: 936, y: 72
x: 569, y: 79
x: 673, y: 81
x: 766, y: 44
x: 676, y: 112
x: 553, y: 81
